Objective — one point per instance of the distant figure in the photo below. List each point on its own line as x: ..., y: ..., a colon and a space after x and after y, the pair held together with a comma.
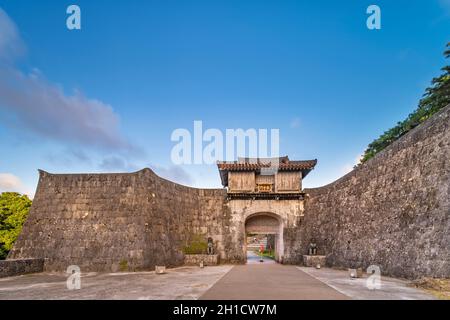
x: 261, y: 250
x: 312, y: 247
x: 210, y: 249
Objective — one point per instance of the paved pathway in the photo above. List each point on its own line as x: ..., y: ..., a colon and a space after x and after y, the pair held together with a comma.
x: 390, y: 288
x: 253, y: 258
x: 187, y: 283
x: 251, y: 281
x: 269, y: 281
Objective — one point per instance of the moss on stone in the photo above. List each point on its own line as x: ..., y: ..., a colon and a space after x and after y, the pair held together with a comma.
x: 123, y: 265
x: 197, y: 245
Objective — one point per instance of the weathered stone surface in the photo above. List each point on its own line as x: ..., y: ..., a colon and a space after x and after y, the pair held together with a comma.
x: 195, y: 259
x: 313, y: 261
x: 393, y: 211
x: 9, y: 268
x: 287, y: 212
x: 111, y: 222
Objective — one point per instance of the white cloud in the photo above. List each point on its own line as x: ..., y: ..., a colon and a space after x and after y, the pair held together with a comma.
x: 346, y: 169
x: 10, y: 43
x: 116, y: 163
x: 174, y: 173
x: 12, y: 183
x: 41, y: 107
x: 349, y: 166
x: 68, y: 157
x: 9, y: 181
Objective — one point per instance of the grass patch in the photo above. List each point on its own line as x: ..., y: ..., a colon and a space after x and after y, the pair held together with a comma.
x: 123, y: 265
x: 438, y: 287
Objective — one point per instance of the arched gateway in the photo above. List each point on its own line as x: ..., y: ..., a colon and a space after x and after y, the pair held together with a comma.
x: 269, y: 225
x: 265, y: 196
x: 105, y: 222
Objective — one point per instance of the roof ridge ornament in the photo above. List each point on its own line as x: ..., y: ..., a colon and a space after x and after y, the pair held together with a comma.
x: 264, y: 168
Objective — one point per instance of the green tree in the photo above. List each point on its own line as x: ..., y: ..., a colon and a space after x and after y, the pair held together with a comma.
x: 14, y: 209
x: 436, y: 97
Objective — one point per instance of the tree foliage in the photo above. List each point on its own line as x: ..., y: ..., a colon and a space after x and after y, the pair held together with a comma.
x: 436, y: 97
x: 14, y: 209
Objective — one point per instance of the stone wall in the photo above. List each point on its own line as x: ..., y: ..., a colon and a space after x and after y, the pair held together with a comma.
x: 393, y: 211
x: 195, y: 259
x: 110, y: 222
x: 9, y: 268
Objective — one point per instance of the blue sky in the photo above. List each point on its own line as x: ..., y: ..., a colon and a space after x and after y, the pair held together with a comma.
x: 106, y: 98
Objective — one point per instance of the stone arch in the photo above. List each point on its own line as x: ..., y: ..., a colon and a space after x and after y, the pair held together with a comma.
x: 266, y: 223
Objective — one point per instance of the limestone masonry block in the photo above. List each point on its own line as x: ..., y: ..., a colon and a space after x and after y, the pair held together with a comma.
x: 313, y: 261
x: 392, y: 212
x: 195, y: 259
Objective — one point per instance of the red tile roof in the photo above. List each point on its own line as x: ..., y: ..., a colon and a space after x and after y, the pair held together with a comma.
x: 258, y: 164
x: 283, y: 164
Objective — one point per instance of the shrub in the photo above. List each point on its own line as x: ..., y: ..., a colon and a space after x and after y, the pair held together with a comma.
x: 435, y: 98
x: 197, y: 245
x: 123, y: 265
x: 14, y: 209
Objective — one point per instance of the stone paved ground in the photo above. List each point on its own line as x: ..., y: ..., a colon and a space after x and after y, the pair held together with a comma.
x: 253, y: 258
x: 180, y: 283
x: 251, y: 281
x: 270, y: 282
x: 275, y: 281
x: 391, y: 289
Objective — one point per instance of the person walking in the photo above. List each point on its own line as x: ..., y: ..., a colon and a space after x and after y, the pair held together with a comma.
x: 261, y: 250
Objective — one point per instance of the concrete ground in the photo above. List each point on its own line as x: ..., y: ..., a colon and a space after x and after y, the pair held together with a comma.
x: 186, y: 283
x: 253, y: 258
x: 251, y: 281
x: 390, y: 288
x: 270, y: 282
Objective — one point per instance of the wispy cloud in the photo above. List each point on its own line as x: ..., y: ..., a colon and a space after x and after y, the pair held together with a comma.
x: 68, y: 156
x: 41, y: 107
x: 12, y: 183
x: 117, y: 163
x: 11, y: 45
x: 173, y: 173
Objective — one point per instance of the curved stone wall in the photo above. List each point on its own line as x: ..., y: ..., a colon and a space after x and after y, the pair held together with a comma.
x: 393, y: 211
x: 109, y: 222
